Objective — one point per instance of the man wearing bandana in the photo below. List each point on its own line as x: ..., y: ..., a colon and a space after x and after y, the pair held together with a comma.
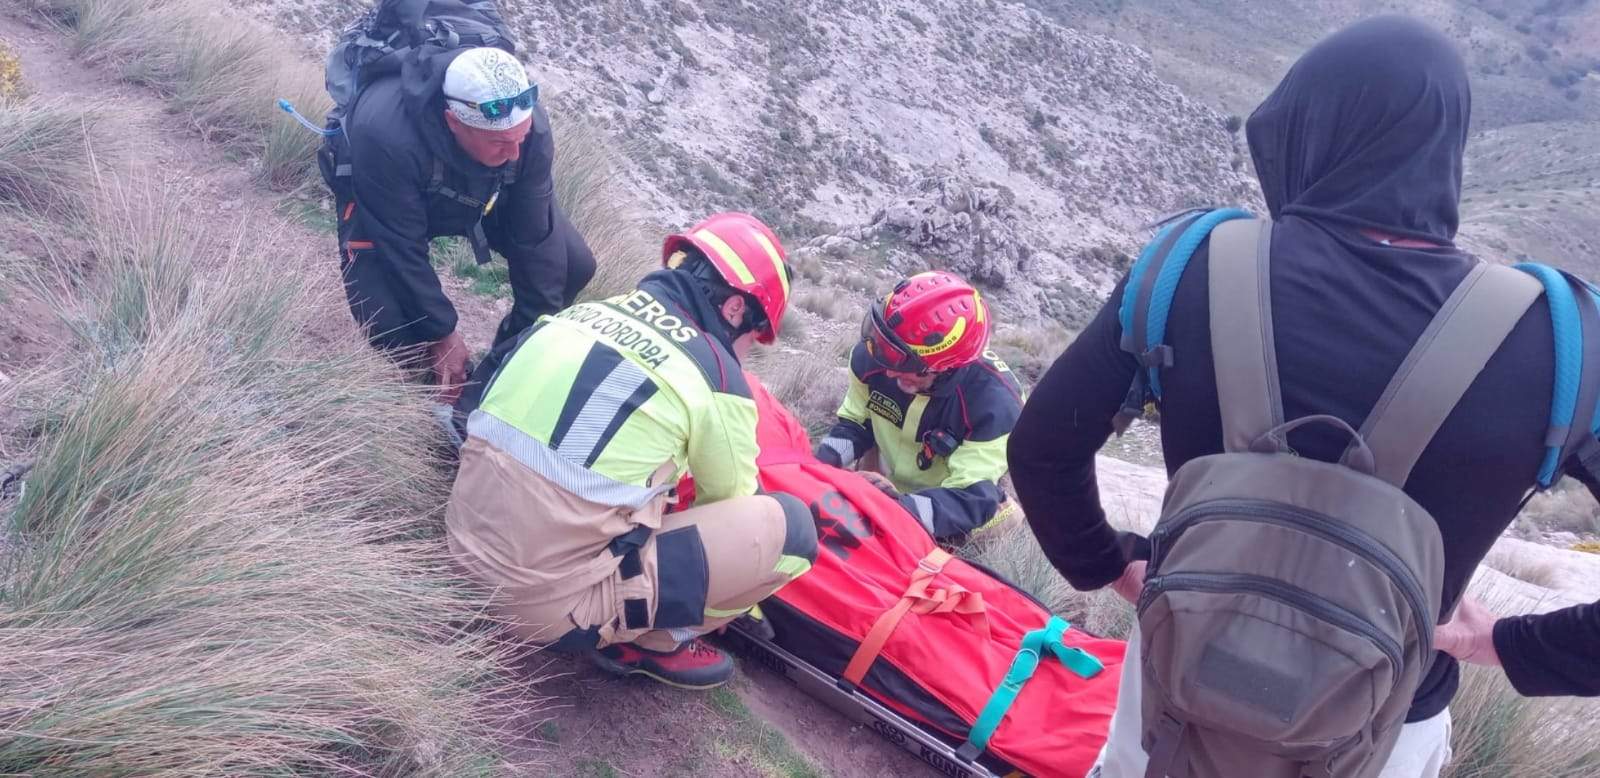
x: 456, y: 144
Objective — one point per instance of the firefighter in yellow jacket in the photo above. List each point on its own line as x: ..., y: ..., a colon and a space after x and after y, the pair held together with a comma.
x: 565, y: 477
x: 934, y: 404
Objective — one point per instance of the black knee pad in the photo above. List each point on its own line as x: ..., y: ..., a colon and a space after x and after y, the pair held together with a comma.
x: 799, y: 531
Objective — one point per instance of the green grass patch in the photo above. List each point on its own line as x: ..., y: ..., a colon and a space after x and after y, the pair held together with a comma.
x: 455, y: 254
x: 311, y: 212
x: 595, y: 768
x: 753, y: 742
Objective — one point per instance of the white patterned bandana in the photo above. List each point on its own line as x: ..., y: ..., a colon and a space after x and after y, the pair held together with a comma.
x: 480, y: 75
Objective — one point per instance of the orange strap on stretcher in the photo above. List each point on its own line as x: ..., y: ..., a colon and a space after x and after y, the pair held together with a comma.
x: 917, y: 599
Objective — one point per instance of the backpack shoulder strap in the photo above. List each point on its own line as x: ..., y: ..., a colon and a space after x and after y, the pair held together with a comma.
x: 1242, y: 345
x: 1575, y: 325
x: 1446, y: 359
x: 1147, y: 299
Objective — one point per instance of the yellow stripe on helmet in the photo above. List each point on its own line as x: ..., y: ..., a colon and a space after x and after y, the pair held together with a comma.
x: 977, y: 302
x: 728, y: 255
x: 950, y: 340
x: 777, y: 261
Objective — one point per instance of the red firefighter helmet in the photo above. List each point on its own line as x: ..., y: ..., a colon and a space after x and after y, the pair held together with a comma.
x: 749, y: 258
x: 930, y: 323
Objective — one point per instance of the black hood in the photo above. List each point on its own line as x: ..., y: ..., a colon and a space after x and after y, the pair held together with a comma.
x: 1368, y: 129
x: 679, y: 287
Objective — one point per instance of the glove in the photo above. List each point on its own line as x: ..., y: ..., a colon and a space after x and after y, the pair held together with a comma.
x: 883, y: 484
x: 827, y: 456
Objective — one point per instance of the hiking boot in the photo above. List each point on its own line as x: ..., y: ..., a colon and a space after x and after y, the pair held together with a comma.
x: 694, y: 665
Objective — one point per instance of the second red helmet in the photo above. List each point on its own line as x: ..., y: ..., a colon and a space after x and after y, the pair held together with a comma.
x: 929, y: 323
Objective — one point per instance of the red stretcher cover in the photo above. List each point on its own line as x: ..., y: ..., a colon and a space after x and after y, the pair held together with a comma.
x: 953, y: 644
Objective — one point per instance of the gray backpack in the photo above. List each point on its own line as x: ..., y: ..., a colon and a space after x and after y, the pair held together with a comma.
x: 1288, y: 610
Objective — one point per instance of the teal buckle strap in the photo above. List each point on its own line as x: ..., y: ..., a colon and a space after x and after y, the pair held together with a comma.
x: 1044, y: 640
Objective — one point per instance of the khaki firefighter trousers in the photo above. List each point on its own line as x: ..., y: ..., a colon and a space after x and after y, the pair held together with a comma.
x: 578, y: 574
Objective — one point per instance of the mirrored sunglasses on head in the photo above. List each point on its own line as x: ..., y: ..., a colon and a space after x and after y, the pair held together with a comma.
x: 502, y: 107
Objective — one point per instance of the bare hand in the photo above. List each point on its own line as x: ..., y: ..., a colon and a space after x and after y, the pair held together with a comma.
x: 449, y: 357
x: 1130, y: 584
x: 1469, y: 636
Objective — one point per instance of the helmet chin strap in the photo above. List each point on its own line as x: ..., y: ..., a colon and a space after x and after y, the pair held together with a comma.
x: 710, y: 280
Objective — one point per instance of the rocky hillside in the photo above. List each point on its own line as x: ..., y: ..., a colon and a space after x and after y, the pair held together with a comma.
x: 982, y: 136
x: 1533, y: 178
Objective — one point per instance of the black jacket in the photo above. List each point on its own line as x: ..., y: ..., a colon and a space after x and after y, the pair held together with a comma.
x: 397, y: 144
x: 1365, y: 132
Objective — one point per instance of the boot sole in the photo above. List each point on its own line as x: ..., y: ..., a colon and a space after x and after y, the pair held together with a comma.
x: 620, y: 669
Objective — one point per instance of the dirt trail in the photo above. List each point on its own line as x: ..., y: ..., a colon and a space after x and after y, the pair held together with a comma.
x: 151, y: 143
x: 594, y: 725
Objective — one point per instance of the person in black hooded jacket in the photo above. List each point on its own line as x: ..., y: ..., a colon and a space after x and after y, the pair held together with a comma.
x: 1359, y: 154
x: 456, y: 143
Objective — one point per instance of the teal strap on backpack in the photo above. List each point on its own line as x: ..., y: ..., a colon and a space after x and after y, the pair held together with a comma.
x: 1046, y: 640
x: 1147, y: 298
x: 1574, y: 416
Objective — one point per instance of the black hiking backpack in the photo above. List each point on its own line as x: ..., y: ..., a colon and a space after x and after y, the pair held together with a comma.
x: 374, y: 44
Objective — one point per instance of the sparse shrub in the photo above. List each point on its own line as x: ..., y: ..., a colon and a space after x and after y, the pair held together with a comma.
x: 590, y: 190
x: 1565, y: 508
x: 912, y: 19
x: 1112, y: 257
x: 806, y: 266
x: 795, y: 326
x: 1030, y: 351
x: 1572, y: 94
x: 828, y: 303
x: 1233, y: 123
x: 867, y: 284
x: 227, y: 559
x: 223, y: 71
x: 1497, y: 732
x: 811, y: 384
x: 11, y: 86
x: 1014, y: 554
x: 1587, y: 547
x: 46, y: 149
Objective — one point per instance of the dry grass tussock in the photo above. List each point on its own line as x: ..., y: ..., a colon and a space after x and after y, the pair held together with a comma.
x: 810, y: 384
x: 1500, y: 733
x: 224, y: 72
x: 1567, y: 508
x: 46, y: 162
x: 226, y: 559
x: 1030, y: 351
x: 1014, y: 554
x: 592, y: 192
